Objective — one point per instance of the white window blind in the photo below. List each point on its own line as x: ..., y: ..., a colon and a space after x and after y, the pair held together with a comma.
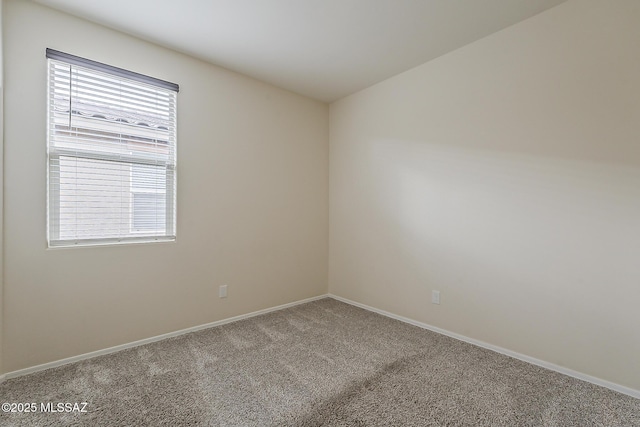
x: 111, y: 152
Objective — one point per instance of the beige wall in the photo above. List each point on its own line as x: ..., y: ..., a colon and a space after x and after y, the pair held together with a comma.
x: 506, y: 175
x: 252, y: 202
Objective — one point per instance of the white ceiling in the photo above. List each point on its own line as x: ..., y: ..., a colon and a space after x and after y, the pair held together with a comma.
x: 325, y: 49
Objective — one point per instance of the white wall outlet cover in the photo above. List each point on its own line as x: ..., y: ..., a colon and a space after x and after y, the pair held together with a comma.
x: 435, y: 297
x: 222, y: 292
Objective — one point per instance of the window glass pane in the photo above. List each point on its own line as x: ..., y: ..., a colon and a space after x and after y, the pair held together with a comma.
x: 94, y: 195
x: 149, y: 212
x: 147, y: 178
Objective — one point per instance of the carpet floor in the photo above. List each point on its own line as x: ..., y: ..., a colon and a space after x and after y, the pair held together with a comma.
x: 324, y: 363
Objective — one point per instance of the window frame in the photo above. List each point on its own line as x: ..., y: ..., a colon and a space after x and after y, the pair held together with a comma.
x: 54, y: 154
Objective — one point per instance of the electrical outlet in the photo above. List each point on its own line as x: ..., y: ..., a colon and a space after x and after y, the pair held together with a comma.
x: 222, y: 292
x: 435, y: 297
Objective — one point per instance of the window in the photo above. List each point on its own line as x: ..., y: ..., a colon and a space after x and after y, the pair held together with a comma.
x: 111, y: 153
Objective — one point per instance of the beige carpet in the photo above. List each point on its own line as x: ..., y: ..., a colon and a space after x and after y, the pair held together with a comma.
x: 322, y: 363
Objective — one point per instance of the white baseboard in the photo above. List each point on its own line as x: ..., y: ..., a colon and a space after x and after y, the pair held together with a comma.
x: 138, y: 343
x: 553, y: 367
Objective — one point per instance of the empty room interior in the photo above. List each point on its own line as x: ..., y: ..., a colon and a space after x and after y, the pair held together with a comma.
x: 320, y: 212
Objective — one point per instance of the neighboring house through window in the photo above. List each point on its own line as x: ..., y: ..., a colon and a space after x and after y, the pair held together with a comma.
x: 112, y: 154
x: 148, y: 199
